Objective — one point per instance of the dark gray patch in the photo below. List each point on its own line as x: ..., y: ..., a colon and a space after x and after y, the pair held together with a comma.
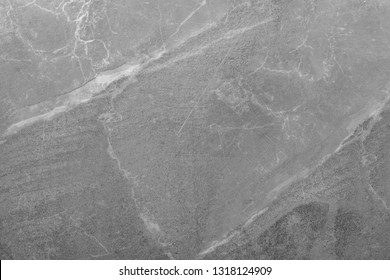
x: 348, y: 226
x: 291, y: 237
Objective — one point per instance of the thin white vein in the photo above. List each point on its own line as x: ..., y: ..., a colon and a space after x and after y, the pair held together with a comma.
x: 378, y: 197
x: 188, y: 18
x: 203, y: 92
x: 90, y: 235
x: 262, y: 65
x: 159, y: 25
x: 97, y: 241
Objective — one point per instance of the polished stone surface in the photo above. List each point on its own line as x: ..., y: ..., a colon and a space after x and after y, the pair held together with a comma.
x: 194, y: 129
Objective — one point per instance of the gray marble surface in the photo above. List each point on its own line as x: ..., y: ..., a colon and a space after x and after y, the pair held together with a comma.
x: 183, y: 129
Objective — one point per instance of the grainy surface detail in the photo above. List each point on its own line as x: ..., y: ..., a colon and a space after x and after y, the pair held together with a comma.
x: 195, y: 129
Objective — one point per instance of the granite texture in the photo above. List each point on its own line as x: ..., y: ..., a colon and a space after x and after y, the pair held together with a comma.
x: 195, y: 129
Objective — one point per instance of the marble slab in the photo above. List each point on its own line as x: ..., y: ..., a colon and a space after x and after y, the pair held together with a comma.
x: 207, y: 129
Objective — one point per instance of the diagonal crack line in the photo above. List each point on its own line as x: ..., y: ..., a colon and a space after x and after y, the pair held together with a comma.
x: 204, y: 2
x: 97, y: 241
x: 375, y: 193
x: 203, y: 92
x: 178, y: 134
x: 90, y: 235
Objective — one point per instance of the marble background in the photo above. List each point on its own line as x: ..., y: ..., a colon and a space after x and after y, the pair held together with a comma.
x: 188, y: 129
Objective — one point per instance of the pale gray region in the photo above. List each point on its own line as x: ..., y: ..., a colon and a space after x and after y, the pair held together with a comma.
x: 195, y: 129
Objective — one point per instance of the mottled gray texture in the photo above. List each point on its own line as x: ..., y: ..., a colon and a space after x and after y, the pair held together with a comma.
x: 337, y: 211
x: 195, y: 129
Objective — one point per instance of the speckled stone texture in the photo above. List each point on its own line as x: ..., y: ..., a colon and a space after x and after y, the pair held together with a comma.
x: 195, y: 129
